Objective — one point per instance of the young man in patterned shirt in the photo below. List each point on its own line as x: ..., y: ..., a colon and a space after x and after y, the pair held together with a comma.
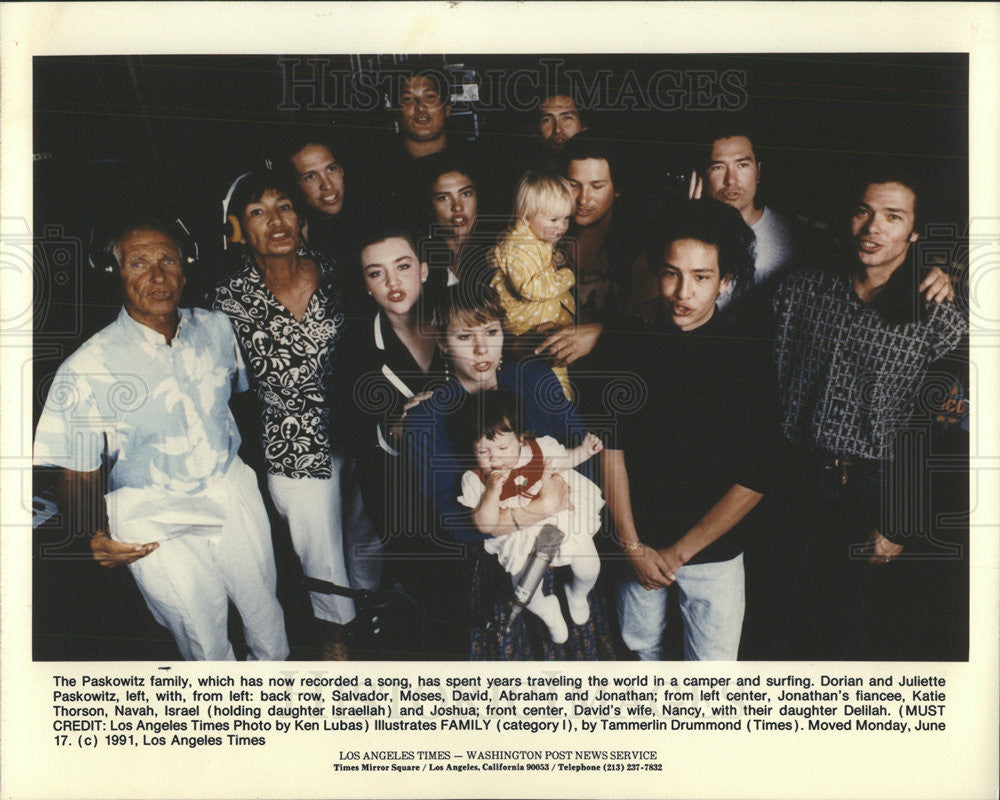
x: 852, y: 348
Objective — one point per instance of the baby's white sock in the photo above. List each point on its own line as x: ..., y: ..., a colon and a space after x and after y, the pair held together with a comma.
x: 546, y: 608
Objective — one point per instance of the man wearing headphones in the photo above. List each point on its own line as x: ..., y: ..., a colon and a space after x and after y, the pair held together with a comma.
x: 147, y: 398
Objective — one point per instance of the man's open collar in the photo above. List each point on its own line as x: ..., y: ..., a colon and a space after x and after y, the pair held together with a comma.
x: 137, y: 329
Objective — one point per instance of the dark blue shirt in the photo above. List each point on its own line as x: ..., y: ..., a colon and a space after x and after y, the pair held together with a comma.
x: 438, y: 459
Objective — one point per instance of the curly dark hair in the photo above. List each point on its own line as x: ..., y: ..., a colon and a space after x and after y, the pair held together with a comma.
x: 713, y: 223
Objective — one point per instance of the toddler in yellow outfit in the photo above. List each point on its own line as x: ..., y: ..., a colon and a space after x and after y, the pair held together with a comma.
x: 534, y: 286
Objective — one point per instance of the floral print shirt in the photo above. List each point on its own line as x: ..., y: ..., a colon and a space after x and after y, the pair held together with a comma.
x: 289, y: 362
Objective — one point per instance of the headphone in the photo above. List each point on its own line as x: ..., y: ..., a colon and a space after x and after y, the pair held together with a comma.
x: 101, y: 255
x: 232, y: 232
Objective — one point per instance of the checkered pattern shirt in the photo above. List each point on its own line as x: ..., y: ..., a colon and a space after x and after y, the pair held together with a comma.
x: 848, y: 378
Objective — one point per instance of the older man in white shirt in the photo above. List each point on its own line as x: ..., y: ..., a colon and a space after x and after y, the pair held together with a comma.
x: 147, y: 397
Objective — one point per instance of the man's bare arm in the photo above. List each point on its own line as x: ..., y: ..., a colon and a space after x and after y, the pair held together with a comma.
x: 721, y: 518
x: 647, y: 564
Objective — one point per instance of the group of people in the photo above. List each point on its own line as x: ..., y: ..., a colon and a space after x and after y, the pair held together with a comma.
x: 436, y: 385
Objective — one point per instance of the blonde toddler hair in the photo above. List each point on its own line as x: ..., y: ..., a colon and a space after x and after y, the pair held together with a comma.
x: 542, y: 193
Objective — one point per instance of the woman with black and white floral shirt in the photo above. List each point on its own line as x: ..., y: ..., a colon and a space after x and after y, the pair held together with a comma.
x: 285, y: 307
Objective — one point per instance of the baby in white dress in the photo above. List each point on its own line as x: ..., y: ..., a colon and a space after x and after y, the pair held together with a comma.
x: 513, y: 470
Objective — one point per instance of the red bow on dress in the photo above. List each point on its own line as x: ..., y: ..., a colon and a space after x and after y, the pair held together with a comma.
x: 521, y: 479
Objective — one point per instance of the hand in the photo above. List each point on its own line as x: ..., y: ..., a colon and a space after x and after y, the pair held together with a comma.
x: 495, y: 480
x: 110, y: 553
x: 544, y: 329
x: 552, y: 498
x: 883, y: 551
x: 651, y: 571
x: 591, y: 444
x: 416, y: 400
x: 936, y: 286
x: 694, y: 188
x: 673, y: 560
x: 588, y: 448
x: 570, y: 343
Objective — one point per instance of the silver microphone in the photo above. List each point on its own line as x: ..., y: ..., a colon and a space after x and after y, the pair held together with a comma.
x: 546, y: 544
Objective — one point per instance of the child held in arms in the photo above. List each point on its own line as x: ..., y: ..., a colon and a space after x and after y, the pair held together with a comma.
x: 512, y: 469
x: 533, y: 282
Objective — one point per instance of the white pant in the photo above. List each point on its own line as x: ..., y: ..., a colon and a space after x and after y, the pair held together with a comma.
x: 202, y: 563
x: 317, y: 515
x: 712, y: 600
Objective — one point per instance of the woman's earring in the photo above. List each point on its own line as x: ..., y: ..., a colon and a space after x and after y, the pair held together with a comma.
x: 500, y: 362
x: 447, y: 368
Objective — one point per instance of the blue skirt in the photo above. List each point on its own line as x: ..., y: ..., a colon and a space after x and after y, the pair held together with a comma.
x: 492, y: 595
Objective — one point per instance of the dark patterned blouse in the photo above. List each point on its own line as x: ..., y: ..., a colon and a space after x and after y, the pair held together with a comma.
x: 289, y: 362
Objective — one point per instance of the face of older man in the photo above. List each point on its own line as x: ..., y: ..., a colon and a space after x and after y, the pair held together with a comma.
x: 152, y: 277
x: 594, y: 190
x: 559, y: 121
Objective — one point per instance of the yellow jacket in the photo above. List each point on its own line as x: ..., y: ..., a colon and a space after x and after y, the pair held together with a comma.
x: 532, y: 290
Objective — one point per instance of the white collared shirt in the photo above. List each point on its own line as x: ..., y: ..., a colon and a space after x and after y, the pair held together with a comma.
x: 157, y: 413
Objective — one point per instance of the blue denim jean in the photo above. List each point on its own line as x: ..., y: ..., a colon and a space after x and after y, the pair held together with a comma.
x: 712, y: 601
